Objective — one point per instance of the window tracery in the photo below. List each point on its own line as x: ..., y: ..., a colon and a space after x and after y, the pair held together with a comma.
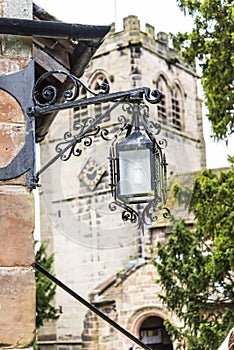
x: 161, y: 85
x: 170, y: 108
x: 100, y: 108
x: 81, y: 112
x: 176, y: 108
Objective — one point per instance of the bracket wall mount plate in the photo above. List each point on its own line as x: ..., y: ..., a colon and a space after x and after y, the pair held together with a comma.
x: 20, y: 85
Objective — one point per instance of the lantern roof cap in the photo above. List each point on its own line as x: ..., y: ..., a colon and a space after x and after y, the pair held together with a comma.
x: 137, y: 138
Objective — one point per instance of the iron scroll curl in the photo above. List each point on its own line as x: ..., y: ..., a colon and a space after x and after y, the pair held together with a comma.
x: 156, y: 94
x: 48, y: 94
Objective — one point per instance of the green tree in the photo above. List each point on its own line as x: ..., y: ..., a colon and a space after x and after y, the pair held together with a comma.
x: 211, y: 41
x: 195, y: 266
x: 45, y: 289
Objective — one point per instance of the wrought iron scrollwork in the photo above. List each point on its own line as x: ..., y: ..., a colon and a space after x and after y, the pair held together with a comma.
x: 156, y: 94
x: 68, y: 140
x: 166, y: 213
x: 69, y: 146
x: 141, y: 219
x: 44, y: 94
x: 48, y: 98
x: 151, y: 127
x: 127, y: 107
x: 162, y: 143
x: 150, y: 212
x: 128, y: 214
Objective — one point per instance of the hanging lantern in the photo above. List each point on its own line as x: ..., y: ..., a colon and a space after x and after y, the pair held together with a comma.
x: 138, y: 170
x: 135, y: 169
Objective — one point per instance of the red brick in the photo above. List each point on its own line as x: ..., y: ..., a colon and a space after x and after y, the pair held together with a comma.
x: 11, y: 140
x: 12, y: 64
x: 17, y: 225
x: 10, y: 109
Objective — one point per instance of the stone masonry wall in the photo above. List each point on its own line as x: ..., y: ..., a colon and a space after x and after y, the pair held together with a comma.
x: 129, y: 301
x: 17, y: 292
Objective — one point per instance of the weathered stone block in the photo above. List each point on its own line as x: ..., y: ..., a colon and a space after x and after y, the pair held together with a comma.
x: 17, y: 307
x: 17, y: 225
x: 15, y: 45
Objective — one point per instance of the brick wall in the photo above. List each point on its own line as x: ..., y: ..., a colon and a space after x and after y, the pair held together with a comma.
x: 17, y: 292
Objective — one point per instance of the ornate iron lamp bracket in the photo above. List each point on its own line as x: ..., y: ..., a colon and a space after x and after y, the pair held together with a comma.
x: 48, y: 99
x: 44, y: 98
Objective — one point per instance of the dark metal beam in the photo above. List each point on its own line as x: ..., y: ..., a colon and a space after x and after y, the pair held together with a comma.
x: 128, y: 95
x: 49, y: 29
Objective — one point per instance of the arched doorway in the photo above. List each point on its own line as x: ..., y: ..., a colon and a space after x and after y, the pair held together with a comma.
x: 153, y: 333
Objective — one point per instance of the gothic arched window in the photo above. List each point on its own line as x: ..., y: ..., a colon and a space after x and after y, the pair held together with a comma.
x: 100, y: 108
x: 162, y: 106
x: 80, y: 113
x: 176, y: 108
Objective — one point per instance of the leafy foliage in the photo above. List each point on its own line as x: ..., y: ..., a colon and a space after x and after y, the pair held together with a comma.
x: 45, y: 289
x: 211, y: 41
x: 195, y: 266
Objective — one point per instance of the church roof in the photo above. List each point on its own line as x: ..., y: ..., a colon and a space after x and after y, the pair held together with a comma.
x: 104, y: 291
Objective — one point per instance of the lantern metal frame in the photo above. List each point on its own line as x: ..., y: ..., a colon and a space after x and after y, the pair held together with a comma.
x: 139, y: 113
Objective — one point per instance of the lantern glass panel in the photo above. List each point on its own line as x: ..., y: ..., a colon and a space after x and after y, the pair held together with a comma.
x: 135, y: 169
x: 135, y: 178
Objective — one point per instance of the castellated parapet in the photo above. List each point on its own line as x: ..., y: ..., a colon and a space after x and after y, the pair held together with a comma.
x: 132, y: 34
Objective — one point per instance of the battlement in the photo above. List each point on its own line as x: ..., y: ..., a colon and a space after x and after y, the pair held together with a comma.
x: 132, y: 34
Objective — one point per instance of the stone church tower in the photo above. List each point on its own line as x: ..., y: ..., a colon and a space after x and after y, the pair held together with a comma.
x: 93, y: 247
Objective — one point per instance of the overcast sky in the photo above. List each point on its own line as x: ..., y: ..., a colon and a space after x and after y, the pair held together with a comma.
x: 163, y: 15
